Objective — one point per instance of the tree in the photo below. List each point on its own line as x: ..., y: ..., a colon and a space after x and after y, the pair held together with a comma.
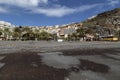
x: 17, y: 33
x: 54, y: 36
x: 28, y: 33
x: 74, y: 36
x: 7, y: 33
x: 80, y: 32
x: 36, y: 33
x: 31, y: 35
x: 25, y: 36
x: 0, y: 33
x: 45, y: 35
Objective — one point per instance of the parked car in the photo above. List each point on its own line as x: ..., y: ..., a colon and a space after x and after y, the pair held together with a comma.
x: 60, y: 40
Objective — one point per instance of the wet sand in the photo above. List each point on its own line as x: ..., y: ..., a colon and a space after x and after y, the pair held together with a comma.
x: 60, y: 61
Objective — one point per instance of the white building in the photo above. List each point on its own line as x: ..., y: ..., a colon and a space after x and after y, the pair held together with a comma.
x: 4, y: 25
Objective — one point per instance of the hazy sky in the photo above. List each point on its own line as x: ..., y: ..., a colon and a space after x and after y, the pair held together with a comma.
x: 52, y: 12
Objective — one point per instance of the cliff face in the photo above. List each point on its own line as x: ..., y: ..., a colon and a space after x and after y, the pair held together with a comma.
x: 109, y: 19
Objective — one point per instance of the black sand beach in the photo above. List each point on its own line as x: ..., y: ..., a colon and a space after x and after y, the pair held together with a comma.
x: 61, y: 64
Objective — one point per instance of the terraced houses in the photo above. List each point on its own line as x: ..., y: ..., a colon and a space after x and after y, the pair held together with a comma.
x: 9, y: 31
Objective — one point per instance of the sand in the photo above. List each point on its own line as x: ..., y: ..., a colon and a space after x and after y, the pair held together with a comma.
x: 33, y: 60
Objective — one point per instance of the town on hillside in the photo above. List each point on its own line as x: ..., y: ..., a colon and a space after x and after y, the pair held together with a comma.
x: 102, y: 27
x: 69, y: 32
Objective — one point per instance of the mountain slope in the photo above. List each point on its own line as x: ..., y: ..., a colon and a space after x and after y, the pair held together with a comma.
x: 110, y: 19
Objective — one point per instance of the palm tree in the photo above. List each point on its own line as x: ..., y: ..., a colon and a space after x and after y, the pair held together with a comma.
x: 29, y: 34
x: 1, y: 32
x: 54, y: 36
x: 80, y: 32
x: 36, y: 33
x: 74, y: 36
x: 7, y: 33
x: 17, y: 33
x: 25, y: 34
x: 45, y: 35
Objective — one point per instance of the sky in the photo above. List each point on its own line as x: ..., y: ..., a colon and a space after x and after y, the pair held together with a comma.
x: 52, y: 12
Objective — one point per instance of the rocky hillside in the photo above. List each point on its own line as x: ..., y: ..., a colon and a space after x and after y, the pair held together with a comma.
x: 109, y: 19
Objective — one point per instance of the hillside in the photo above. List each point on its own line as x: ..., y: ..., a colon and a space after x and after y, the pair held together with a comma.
x: 110, y: 19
